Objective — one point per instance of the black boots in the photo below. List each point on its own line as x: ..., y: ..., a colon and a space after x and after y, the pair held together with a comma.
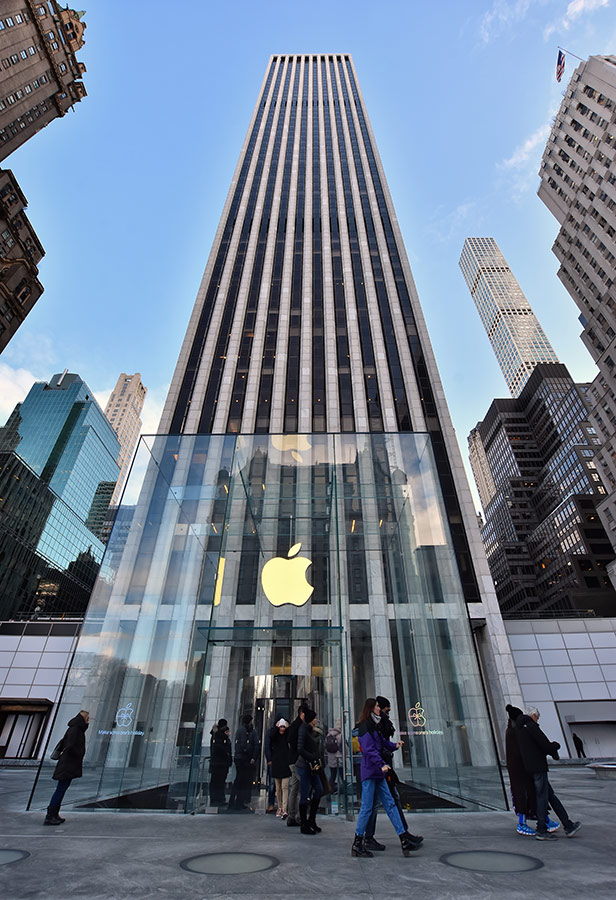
x: 410, y: 842
x: 52, y: 817
x: 306, y: 828
x: 312, y: 818
x: 371, y: 843
x: 359, y: 847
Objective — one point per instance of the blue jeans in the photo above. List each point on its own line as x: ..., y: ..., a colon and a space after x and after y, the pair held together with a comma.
x: 309, y: 781
x: 58, y: 795
x: 368, y: 789
x: 545, y: 796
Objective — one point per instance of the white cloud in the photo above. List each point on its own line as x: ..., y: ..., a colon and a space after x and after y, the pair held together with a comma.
x: 500, y: 17
x: 153, y: 408
x: 575, y: 10
x: 446, y: 225
x: 14, y: 385
x: 522, y: 154
x: 35, y: 351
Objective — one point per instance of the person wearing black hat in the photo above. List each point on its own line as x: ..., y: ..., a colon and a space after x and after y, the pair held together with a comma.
x: 246, y: 753
x: 535, y: 747
x: 521, y: 783
x: 308, y: 765
x: 221, y: 759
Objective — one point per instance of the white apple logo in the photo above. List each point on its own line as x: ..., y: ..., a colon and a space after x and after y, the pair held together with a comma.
x: 284, y: 580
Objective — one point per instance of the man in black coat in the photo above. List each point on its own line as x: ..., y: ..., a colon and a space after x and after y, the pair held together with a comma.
x: 535, y: 747
x: 245, y: 758
x: 69, y: 766
x: 293, y: 798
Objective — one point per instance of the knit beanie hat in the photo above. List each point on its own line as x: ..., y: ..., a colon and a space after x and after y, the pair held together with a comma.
x: 309, y: 716
x: 513, y: 712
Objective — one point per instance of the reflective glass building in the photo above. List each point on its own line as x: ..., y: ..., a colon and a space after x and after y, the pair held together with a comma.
x: 304, y: 529
x: 57, y: 472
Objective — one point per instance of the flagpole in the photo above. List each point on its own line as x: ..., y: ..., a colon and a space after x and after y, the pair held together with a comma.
x: 571, y: 54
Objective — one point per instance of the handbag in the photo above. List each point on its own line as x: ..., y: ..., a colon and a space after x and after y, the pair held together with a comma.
x: 316, y: 765
x: 58, y: 750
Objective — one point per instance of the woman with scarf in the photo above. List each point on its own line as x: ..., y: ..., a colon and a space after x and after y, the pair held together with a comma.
x: 373, y: 771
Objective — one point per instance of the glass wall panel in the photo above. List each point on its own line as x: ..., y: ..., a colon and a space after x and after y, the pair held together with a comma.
x: 257, y: 571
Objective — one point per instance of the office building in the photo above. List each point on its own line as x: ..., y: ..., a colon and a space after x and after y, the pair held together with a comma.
x: 305, y: 529
x: 123, y: 411
x: 518, y: 340
x: 20, y: 253
x: 578, y: 186
x: 57, y: 467
x: 40, y: 76
x: 534, y: 461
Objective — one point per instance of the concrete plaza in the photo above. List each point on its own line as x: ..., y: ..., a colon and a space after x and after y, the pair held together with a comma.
x: 104, y: 855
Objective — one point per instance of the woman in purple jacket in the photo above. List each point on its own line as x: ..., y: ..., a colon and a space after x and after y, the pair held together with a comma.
x: 373, y: 771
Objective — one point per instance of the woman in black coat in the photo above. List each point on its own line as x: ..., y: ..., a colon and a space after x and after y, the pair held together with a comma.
x: 69, y: 766
x: 308, y: 764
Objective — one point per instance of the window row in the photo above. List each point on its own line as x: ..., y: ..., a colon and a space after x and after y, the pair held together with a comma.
x: 17, y: 95
x: 21, y: 122
x: 14, y: 58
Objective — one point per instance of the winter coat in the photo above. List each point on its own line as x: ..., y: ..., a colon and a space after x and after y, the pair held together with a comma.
x: 220, y: 750
x: 308, y: 746
x: 292, y: 735
x: 334, y: 760
x: 534, y: 746
x: 246, y: 744
x: 279, y: 748
x: 373, y: 745
x: 70, y: 763
x: 521, y: 782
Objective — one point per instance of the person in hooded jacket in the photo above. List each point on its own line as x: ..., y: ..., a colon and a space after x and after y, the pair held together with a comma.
x: 373, y: 771
x: 70, y: 764
x: 535, y: 747
x: 221, y: 758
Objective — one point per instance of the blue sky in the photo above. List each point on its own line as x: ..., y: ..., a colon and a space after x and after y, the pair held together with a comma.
x: 126, y: 191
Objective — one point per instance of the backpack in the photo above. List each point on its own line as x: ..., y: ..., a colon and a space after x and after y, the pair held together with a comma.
x: 332, y: 743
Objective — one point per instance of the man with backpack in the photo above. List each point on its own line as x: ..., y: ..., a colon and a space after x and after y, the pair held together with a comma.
x: 333, y: 748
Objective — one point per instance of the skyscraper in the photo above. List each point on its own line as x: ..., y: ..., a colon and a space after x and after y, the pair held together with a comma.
x: 57, y: 472
x: 578, y: 186
x: 123, y: 411
x: 534, y: 461
x: 517, y: 338
x: 20, y: 251
x: 40, y: 78
x: 305, y: 529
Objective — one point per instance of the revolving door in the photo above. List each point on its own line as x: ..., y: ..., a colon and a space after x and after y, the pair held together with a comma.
x: 267, y: 673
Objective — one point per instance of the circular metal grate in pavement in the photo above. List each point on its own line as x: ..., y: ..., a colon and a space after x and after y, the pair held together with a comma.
x: 229, y: 863
x: 491, y: 861
x: 11, y: 856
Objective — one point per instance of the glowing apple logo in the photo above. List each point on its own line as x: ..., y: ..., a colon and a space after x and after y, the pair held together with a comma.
x: 284, y: 580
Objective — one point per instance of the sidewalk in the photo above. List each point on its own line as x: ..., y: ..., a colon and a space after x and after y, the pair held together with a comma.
x: 101, y: 855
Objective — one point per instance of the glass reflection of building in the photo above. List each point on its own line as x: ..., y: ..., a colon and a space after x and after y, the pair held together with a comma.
x: 58, y: 456
x: 534, y: 459
x: 304, y: 529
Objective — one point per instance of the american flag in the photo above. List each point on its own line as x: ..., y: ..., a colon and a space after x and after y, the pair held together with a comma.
x: 560, y: 65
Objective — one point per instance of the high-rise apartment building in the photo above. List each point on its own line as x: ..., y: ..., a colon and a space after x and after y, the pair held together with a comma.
x: 305, y: 529
x: 518, y: 340
x: 578, y: 186
x: 534, y: 461
x: 123, y: 411
x: 40, y: 77
x: 20, y: 253
x: 57, y: 472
